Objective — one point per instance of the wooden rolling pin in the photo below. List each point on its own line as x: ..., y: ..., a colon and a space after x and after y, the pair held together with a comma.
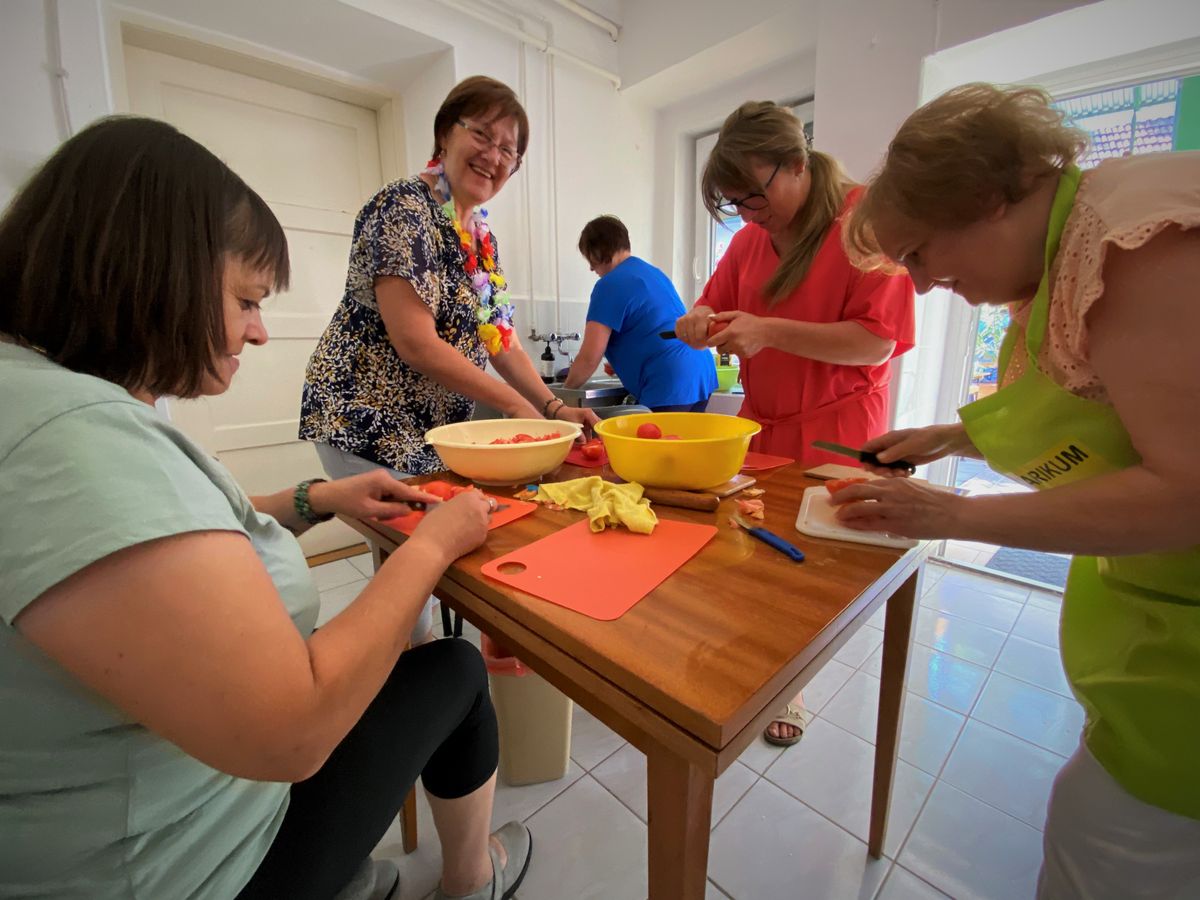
x: 682, y: 499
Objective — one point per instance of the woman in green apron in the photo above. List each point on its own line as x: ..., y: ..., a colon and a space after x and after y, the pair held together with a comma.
x: 1099, y: 411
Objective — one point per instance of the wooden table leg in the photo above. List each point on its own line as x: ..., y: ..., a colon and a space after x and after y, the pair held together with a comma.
x: 408, y: 822
x: 897, y: 632
x: 680, y: 810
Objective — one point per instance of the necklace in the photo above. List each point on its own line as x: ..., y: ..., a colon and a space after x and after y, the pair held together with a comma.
x: 493, y: 311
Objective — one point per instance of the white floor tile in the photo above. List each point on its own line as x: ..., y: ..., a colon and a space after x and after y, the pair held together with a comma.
x: 334, y: 600
x: 956, y: 597
x: 926, y: 734
x: 760, y: 755
x: 831, y: 770
x: 878, y: 618
x: 860, y: 646
x: 993, y: 587
x: 944, y: 679
x: 586, y: 845
x: 971, y: 851
x: 624, y: 774
x: 965, y: 639
x: 421, y: 870
x: 363, y: 563
x: 520, y: 802
x: 1046, y: 600
x: 1038, y: 624
x: 1042, y: 717
x: 592, y: 741
x: 1003, y: 771
x: 902, y: 884
x: 335, y: 574
x: 1035, y: 663
x: 772, y: 845
x: 825, y: 684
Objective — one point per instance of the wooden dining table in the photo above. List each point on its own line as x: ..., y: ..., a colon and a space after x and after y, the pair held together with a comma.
x: 693, y: 673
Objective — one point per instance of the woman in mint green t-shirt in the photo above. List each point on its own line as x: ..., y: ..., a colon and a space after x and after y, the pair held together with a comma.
x: 173, y: 726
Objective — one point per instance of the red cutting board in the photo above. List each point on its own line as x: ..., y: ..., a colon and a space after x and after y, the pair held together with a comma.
x: 576, y: 458
x: 757, y: 462
x: 516, y: 509
x: 601, y: 574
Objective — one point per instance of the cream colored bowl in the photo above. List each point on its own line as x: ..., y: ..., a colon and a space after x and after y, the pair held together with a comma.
x: 466, y: 449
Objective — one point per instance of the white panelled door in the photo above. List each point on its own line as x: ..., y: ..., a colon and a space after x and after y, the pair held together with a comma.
x: 315, y: 161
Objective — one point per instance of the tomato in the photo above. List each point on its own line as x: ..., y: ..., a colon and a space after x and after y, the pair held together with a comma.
x: 592, y: 450
x: 715, y: 327
x: 836, y: 484
x: 439, y: 489
x: 522, y: 439
x: 457, y: 489
x: 649, y: 430
x: 500, y: 441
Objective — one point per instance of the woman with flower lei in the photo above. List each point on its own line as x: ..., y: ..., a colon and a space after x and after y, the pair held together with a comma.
x: 426, y: 306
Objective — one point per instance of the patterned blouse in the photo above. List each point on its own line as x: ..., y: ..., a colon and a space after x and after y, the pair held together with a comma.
x: 359, y: 395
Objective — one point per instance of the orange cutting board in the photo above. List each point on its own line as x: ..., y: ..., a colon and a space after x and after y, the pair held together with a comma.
x: 516, y: 509
x: 600, y: 574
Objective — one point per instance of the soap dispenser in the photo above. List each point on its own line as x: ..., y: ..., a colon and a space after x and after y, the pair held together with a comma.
x: 547, y: 364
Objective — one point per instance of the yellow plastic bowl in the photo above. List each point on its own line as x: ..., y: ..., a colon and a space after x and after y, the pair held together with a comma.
x: 727, y: 377
x: 466, y: 449
x: 710, y: 451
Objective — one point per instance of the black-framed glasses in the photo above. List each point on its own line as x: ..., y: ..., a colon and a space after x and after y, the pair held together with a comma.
x: 757, y: 200
x: 484, y: 141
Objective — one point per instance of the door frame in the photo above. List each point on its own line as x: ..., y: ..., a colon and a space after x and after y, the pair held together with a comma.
x: 130, y: 27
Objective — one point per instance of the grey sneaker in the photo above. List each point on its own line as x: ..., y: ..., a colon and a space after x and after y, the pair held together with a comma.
x: 518, y: 844
x: 374, y: 880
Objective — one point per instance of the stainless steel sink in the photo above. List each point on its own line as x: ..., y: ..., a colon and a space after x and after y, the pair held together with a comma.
x: 596, y: 392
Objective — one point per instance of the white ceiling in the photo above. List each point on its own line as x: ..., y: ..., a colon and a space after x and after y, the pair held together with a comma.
x: 328, y: 33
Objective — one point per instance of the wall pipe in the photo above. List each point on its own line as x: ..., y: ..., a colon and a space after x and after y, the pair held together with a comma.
x: 613, y: 29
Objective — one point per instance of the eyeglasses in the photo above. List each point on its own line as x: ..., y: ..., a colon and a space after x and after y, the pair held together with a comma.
x: 484, y: 141
x: 757, y: 200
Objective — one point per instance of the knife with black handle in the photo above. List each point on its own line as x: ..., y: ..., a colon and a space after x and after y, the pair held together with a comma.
x: 865, y: 456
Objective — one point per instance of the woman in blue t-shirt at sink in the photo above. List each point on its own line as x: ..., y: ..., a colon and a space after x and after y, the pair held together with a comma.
x: 631, y: 305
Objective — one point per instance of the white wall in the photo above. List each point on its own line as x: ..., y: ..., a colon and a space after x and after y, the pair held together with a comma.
x: 33, y: 114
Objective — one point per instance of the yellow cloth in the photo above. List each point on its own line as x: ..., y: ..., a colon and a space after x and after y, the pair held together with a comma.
x: 604, y: 502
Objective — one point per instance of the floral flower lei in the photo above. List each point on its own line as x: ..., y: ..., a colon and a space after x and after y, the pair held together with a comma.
x: 494, y: 312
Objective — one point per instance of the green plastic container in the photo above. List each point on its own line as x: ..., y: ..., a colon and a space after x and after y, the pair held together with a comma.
x: 727, y: 377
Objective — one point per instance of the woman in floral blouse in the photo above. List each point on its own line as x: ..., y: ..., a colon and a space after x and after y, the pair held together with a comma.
x: 425, y: 304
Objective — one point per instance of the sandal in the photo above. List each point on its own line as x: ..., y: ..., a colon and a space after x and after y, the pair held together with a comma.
x: 796, y: 716
x: 518, y: 844
x: 376, y: 879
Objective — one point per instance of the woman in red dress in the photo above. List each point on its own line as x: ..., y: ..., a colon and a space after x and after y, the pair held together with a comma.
x: 815, y: 335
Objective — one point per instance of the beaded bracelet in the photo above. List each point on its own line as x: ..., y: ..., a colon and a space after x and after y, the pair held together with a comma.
x: 303, y: 508
x: 546, y: 406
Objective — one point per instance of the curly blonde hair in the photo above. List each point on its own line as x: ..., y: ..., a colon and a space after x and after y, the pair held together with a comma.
x: 761, y: 131
x: 959, y: 157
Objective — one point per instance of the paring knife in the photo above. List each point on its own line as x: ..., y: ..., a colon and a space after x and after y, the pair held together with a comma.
x: 865, y: 456
x: 771, y: 539
x: 422, y: 506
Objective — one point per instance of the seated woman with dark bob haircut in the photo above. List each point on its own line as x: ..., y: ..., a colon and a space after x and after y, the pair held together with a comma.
x: 173, y: 725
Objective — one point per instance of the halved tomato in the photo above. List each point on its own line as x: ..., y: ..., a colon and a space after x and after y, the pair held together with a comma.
x: 593, y: 449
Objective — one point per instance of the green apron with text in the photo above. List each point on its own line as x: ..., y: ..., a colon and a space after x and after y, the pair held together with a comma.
x: 1130, y: 624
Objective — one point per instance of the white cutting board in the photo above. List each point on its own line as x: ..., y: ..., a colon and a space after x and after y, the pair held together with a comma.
x: 817, y: 519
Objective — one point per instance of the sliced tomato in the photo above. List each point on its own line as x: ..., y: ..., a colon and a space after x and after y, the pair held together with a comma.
x: 836, y: 484
x: 522, y: 438
x: 649, y: 430
x: 593, y: 449
x: 439, y: 489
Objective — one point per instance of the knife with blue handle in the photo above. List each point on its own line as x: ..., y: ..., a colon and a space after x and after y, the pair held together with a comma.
x: 771, y: 539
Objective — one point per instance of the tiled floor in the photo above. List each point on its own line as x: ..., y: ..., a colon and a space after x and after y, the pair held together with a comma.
x: 988, y: 721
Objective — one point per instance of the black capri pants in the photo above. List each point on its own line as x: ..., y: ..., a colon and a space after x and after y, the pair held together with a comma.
x: 433, y: 718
